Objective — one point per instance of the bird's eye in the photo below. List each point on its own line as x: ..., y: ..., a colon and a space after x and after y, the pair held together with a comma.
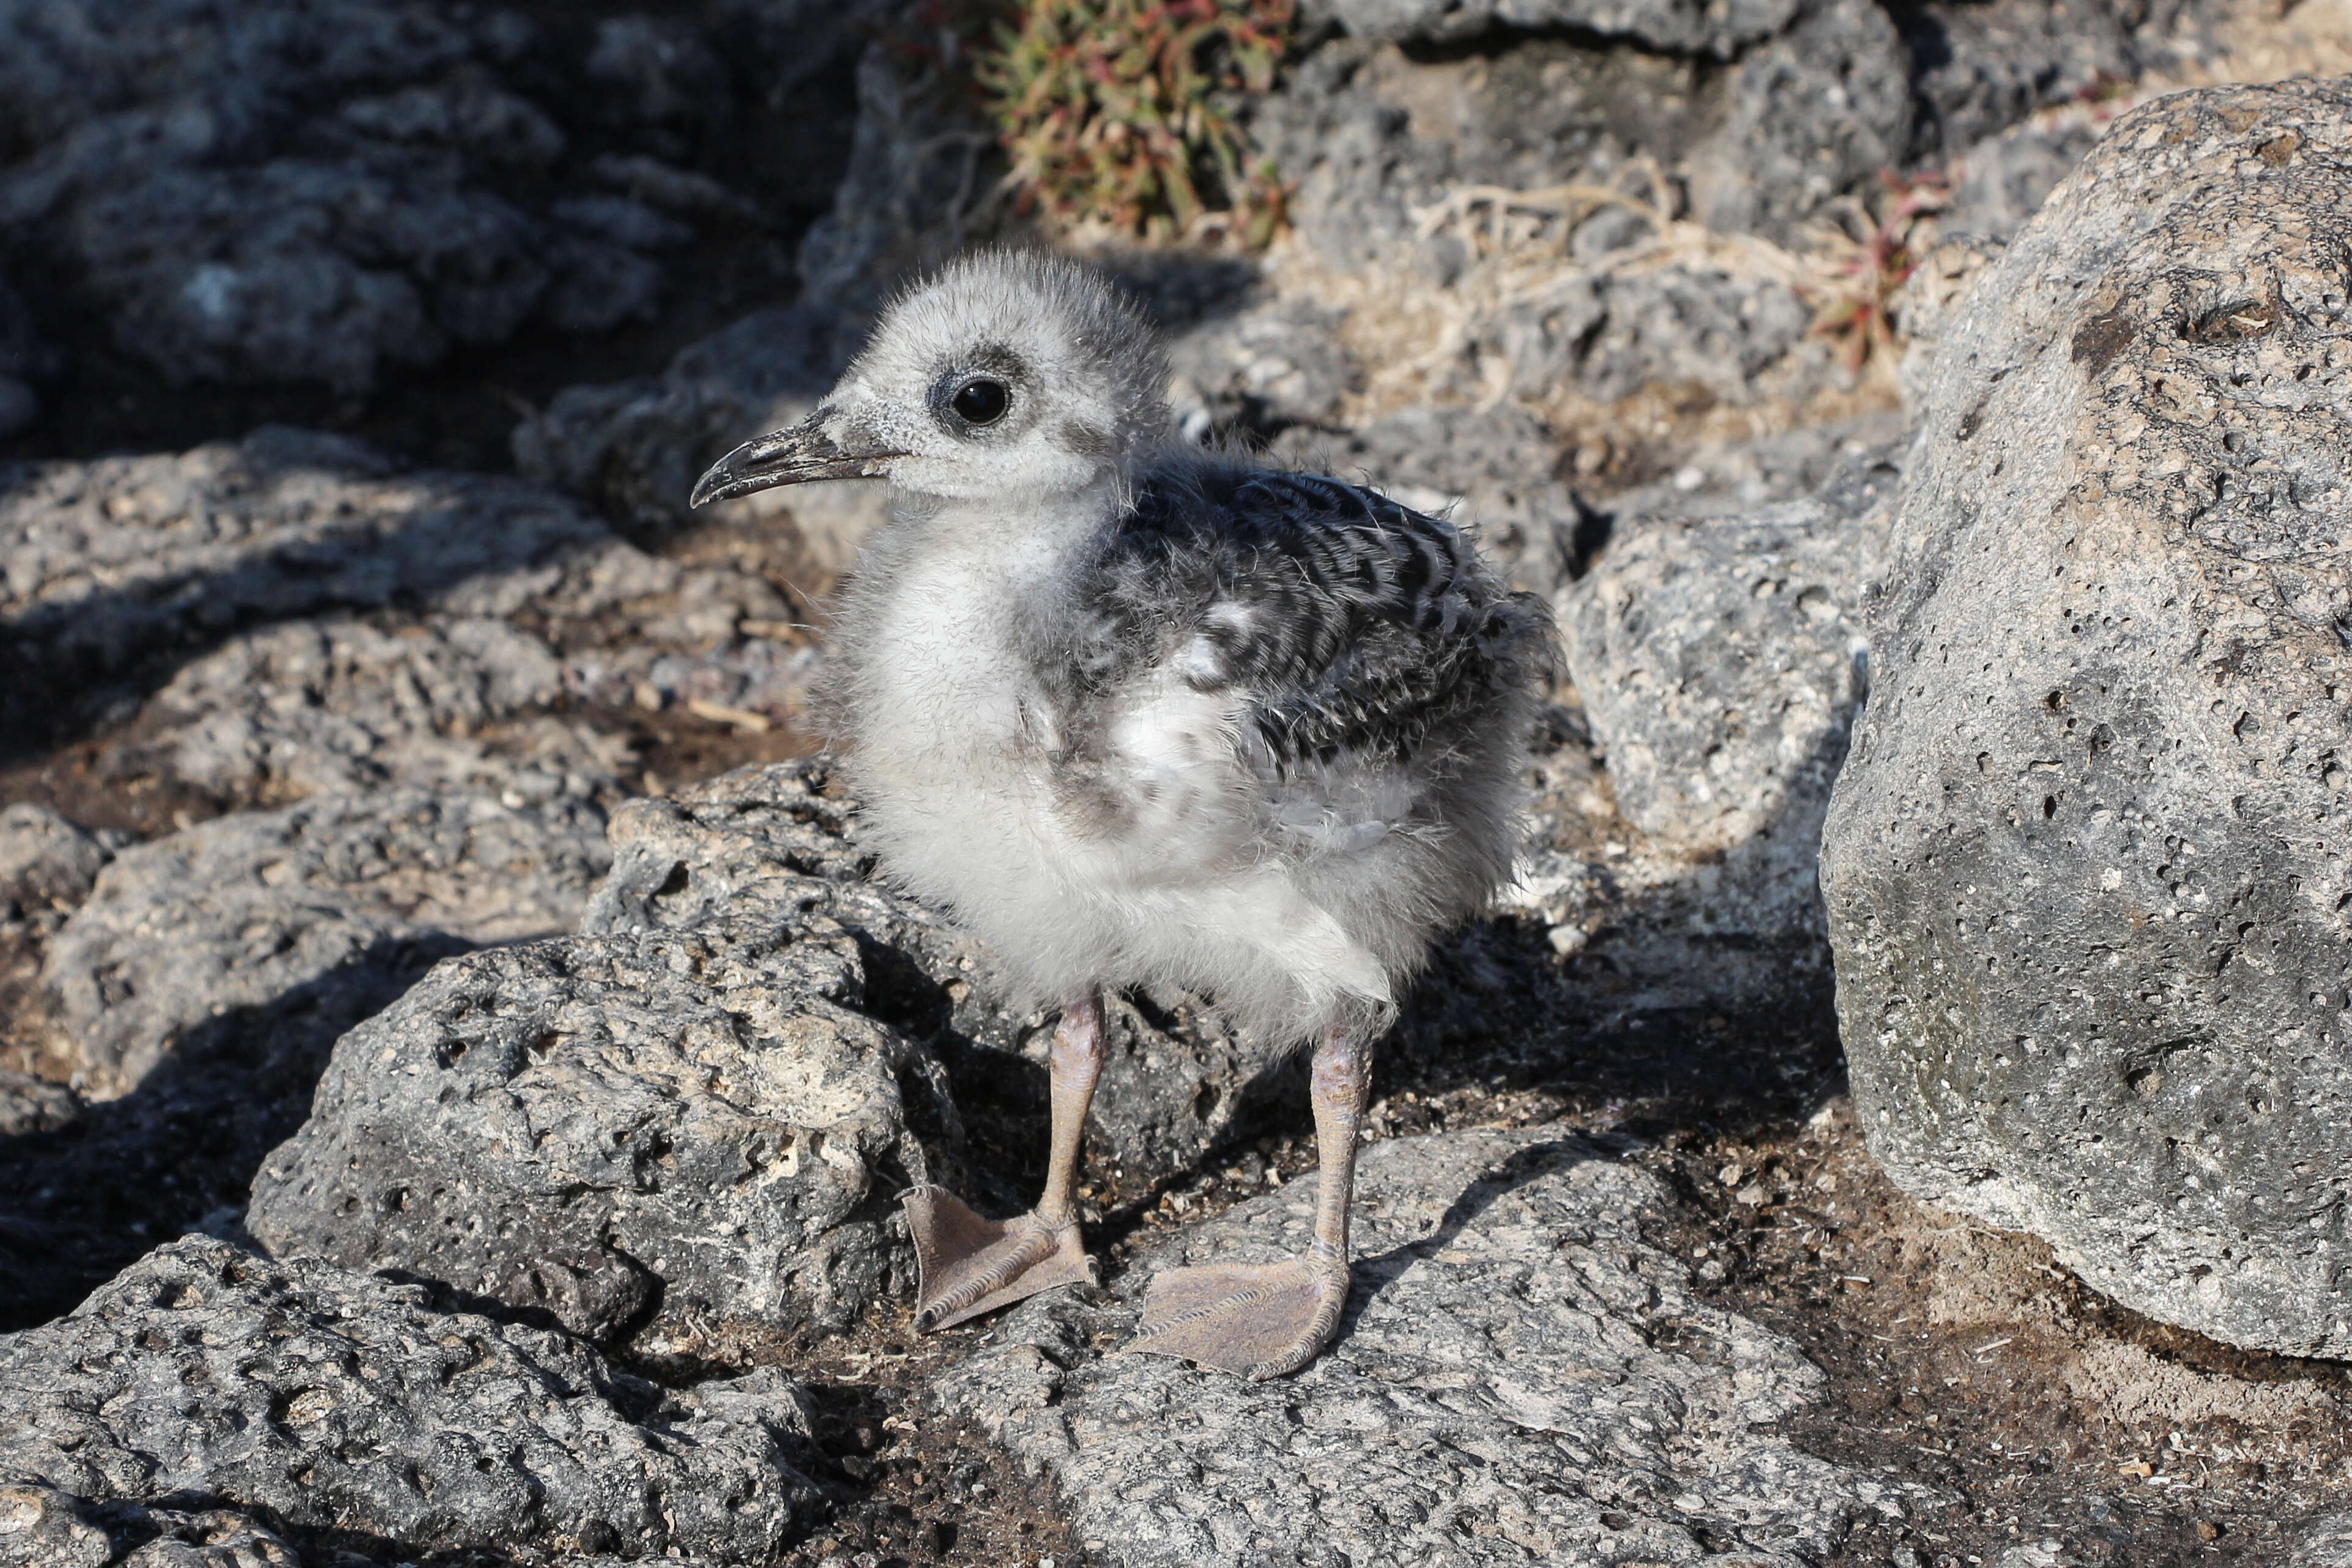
x: 981, y: 401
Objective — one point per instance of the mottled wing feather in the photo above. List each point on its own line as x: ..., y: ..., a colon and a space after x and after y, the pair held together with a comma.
x: 1347, y: 621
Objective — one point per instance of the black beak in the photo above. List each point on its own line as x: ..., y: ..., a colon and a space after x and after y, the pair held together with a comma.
x: 793, y: 456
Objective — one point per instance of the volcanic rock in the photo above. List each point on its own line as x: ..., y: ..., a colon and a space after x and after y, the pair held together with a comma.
x: 336, y: 1401
x: 2085, y: 866
x: 1510, y: 1386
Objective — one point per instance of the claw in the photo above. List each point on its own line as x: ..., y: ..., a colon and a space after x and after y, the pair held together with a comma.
x: 966, y: 1265
x: 1257, y: 1322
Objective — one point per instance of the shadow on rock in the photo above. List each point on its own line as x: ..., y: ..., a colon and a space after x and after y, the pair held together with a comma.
x: 123, y: 570
x: 180, y: 1150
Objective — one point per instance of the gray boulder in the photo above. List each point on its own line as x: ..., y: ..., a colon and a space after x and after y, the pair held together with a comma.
x: 317, y: 909
x: 1719, y: 665
x: 1373, y: 137
x: 283, y: 192
x: 1983, y: 68
x: 336, y: 1402
x: 776, y: 845
x: 2084, y: 866
x: 1684, y: 27
x: 1720, y: 660
x: 698, y: 1130
x: 1503, y: 1390
x: 1733, y: 335
x: 344, y: 706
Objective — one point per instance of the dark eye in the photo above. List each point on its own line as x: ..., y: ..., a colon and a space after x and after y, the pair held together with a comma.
x: 981, y: 400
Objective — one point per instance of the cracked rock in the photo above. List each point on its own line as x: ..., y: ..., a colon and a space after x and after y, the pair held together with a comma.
x: 1519, y: 1379
x: 334, y: 1401
x: 2085, y: 866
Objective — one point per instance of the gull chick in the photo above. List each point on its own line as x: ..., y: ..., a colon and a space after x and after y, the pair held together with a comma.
x: 1133, y: 713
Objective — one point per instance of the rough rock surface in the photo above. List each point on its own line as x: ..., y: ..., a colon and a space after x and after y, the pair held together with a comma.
x: 769, y: 845
x: 287, y: 192
x: 696, y: 1124
x: 2085, y: 866
x: 104, y: 564
x: 341, y: 625
x: 1813, y: 114
x: 1982, y: 68
x: 1521, y: 1379
x: 30, y: 1104
x: 1719, y: 664
x: 2325, y: 1543
x: 1718, y: 659
x: 1607, y: 336
x: 335, y: 1400
x: 317, y: 909
x: 1719, y: 478
x: 46, y: 863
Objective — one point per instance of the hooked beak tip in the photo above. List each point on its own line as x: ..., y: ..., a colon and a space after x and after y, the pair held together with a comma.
x: 797, y: 455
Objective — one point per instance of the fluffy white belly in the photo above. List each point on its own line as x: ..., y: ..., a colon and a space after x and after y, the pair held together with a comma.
x: 1145, y: 863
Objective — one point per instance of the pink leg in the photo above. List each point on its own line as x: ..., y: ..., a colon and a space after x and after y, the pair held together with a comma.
x: 1270, y: 1320
x: 970, y: 1265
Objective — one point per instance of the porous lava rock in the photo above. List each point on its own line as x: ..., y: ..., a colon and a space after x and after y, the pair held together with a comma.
x: 695, y: 1127
x: 1718, y: 661
x: 2087, y: 866
x: 320, y: 909
x: 110, y: 564
x: 1519, y: 1378
x: 205, y: 1378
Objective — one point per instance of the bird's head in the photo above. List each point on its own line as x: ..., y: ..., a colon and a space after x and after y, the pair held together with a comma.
x: 1008, y: 376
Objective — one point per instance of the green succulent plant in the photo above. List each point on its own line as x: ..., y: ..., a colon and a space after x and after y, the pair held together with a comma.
x: 1121, y: 112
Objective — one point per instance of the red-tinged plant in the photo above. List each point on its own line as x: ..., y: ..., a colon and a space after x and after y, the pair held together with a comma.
x: 1865, y: 264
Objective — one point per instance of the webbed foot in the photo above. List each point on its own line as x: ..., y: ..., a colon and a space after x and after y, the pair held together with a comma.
x: 1257, y: 1321
x: 967, y: 1265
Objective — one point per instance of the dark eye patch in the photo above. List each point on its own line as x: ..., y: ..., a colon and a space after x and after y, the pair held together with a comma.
x: 981, y: 401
